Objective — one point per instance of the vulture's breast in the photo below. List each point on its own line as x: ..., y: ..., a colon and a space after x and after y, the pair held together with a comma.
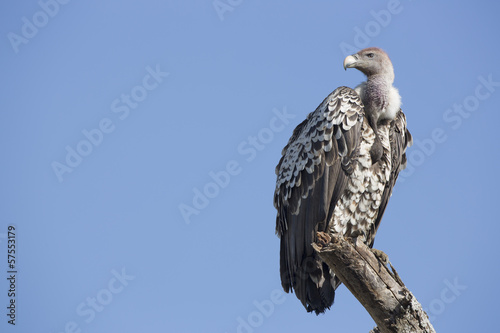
x: 357, y: 208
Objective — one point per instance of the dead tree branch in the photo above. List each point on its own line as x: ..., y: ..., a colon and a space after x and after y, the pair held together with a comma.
x: 391, y: 305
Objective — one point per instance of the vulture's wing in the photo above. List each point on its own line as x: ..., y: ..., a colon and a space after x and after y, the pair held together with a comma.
x: 312, y: 175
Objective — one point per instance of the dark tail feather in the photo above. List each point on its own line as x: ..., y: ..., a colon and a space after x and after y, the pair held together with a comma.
x: 315, y: 289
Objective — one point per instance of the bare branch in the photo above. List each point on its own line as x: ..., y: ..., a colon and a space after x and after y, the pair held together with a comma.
x: 364, y: 272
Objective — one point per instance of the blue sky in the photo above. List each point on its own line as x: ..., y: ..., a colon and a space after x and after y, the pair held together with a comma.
x: 139, y: 142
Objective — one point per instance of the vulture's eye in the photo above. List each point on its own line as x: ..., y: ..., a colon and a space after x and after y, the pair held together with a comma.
x: 370, y: 55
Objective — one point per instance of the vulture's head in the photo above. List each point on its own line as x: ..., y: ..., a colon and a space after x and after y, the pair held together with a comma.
x: 371, y: 61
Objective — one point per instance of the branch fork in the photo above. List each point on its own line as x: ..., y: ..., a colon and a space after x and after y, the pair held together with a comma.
x: 381, y: 291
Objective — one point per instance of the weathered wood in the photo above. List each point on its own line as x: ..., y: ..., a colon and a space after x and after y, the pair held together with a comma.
x: 391, y: 305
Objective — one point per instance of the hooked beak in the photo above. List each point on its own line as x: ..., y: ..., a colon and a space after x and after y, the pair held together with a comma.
x: 350, y: 62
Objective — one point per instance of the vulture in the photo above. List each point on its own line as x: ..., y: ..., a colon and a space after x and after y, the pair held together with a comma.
x: 336, y: 175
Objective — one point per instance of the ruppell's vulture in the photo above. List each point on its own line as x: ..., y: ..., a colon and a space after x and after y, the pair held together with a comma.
x: 336, y: 174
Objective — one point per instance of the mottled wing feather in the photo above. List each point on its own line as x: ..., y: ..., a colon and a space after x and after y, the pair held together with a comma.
x: 312, y: 175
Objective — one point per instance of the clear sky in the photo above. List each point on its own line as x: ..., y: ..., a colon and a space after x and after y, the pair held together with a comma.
x: 139, y: 141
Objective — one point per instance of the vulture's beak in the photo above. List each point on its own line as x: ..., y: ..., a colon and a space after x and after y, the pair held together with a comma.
x: 350, y: 62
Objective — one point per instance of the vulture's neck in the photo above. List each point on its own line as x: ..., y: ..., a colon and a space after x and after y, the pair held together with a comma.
x: 380, y: 98
x: 381, y: 101
x: 376, y: 93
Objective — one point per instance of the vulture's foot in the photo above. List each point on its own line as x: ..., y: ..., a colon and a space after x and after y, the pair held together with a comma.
x: 381, y: 256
